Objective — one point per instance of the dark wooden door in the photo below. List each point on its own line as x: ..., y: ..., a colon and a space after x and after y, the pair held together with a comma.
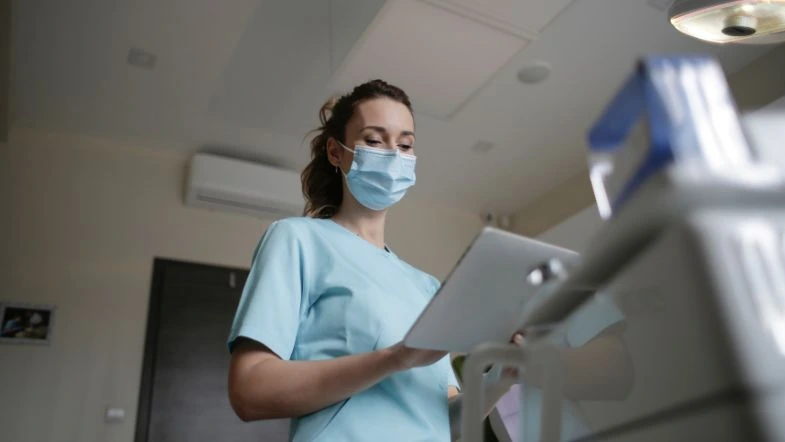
x: 183, y: 395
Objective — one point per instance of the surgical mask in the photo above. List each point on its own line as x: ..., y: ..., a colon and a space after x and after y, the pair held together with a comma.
x: 379, y: 178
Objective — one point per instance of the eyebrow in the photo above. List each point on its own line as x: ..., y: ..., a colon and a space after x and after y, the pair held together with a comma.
x: 383, y: 130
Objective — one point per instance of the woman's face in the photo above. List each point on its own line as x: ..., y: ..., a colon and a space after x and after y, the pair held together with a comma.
x: 379, y: 123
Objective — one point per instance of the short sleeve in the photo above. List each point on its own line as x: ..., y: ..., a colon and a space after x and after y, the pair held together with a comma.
x: 269, y: 309
x: 592, y: 319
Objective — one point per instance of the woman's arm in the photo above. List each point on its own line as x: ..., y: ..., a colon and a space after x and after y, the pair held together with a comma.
x: 263, y: 386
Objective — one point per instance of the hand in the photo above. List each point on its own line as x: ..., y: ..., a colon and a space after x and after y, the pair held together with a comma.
x: 407, y: 357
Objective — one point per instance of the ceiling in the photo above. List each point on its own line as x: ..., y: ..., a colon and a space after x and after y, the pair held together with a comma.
x: 246, y: 78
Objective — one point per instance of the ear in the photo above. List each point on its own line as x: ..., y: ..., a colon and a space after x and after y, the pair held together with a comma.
x: 334, y: 152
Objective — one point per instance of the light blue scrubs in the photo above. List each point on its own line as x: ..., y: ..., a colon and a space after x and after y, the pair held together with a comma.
x: 318, y: 291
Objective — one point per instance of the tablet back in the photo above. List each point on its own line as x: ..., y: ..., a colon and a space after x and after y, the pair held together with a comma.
x: 483, y: 297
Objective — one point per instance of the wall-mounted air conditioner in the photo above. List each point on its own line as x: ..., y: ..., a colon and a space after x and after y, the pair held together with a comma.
x: 226, y: 184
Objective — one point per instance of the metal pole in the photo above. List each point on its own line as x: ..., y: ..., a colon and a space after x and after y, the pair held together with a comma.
x: 473, y: 410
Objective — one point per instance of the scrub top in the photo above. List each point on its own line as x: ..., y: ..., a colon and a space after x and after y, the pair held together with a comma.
x: 588, y: 322
x: 317, y: 291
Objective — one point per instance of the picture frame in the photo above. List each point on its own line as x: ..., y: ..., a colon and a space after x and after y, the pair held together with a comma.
x: 26, y: 323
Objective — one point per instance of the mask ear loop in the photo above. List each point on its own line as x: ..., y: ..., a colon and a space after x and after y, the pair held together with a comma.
x: 346, y: 149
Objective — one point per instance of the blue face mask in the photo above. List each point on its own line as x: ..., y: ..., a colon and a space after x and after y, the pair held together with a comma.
x: 379, y: 178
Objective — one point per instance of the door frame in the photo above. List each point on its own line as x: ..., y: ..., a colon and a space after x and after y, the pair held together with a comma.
x: 151, y: 337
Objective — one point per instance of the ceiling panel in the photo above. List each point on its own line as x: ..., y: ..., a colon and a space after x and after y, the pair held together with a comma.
x: 348, y: 21
x: 71, y: 69
x: 278, y: 72
x: 525, y: 18
x: 438, y: 57
x: 540, y: 130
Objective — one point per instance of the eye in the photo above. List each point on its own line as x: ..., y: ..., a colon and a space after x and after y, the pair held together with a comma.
x: 372, y: 142
x: 405, y: 147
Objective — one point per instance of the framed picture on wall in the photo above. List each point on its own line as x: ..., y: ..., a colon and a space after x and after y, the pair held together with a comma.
x: 22, y: 323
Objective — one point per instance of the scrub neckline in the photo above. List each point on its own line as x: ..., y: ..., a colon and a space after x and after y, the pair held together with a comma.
x: 386, y: 250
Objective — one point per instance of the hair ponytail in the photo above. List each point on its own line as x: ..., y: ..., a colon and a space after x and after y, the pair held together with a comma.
x: 322, y: 181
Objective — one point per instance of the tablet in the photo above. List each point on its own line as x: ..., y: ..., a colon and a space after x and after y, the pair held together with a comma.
x: 483, y: 297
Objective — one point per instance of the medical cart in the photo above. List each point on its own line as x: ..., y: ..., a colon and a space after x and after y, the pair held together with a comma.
x: 693, y: 256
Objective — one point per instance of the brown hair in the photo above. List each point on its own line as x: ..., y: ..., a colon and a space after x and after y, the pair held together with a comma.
x: 322, y: 182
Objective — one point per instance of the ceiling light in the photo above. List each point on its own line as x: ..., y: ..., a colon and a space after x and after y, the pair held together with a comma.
x: 731, y: 21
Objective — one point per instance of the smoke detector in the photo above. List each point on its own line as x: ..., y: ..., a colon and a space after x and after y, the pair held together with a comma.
x: 731, y: 21
x: 534, y: 72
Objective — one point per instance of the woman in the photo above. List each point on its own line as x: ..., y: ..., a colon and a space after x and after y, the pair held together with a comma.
x: 317, y: 331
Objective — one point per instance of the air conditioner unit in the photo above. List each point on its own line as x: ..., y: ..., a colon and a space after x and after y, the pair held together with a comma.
x: 226, y: 184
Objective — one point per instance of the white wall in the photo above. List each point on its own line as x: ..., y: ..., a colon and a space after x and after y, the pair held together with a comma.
x: 576, y: 231
x: 82, y: 220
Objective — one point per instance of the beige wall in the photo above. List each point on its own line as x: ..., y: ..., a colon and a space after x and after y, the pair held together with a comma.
x: 6, y: 51
x: 81, y: 222
x: 575, y: 232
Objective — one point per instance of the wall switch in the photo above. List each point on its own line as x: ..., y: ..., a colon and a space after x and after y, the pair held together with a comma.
x: 114, y: 415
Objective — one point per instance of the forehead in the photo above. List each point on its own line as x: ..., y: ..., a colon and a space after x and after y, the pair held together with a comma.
x: 383, y: 112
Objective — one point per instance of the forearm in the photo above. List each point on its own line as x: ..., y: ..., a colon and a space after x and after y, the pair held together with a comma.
x: 275, y: 388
